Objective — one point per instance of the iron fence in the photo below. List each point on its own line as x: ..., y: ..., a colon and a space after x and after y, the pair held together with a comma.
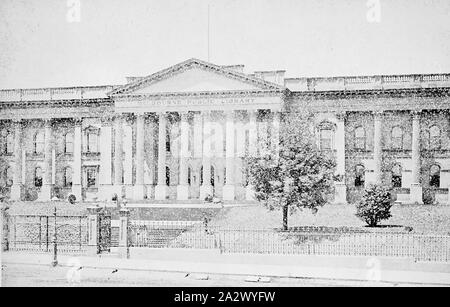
x: 37, y: 233
x: 420, y: 247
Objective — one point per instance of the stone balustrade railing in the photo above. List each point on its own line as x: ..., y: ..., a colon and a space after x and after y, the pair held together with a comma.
x: 367, y: 82
x: 60, y: 93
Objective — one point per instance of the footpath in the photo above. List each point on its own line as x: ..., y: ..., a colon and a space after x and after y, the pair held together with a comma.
x: 211, y: 262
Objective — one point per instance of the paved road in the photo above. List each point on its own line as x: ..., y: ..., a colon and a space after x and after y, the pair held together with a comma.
x: 46, y: 276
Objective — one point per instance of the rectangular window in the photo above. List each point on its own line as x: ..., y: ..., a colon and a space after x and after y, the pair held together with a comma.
x: 326, y: 137
x: 91, y: 178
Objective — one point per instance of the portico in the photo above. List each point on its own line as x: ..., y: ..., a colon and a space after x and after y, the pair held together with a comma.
x: 183, y: 133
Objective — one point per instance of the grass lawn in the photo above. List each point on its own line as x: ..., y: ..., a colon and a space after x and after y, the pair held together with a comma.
x: 423, y: 219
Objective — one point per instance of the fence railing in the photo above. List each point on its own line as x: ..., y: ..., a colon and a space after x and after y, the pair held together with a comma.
x: 37, y: 233
x: 377, y: 244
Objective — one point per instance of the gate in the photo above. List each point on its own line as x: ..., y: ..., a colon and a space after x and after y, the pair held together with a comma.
x: 104, y: 231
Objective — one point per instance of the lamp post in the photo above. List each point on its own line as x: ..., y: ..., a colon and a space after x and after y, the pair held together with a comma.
x: 55, y: 246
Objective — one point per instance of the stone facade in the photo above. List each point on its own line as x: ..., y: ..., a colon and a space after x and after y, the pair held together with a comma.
x: 182, y: 133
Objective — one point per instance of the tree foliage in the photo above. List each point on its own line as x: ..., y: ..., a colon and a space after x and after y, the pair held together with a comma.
x: 375, y: 205
x: 299, y: 176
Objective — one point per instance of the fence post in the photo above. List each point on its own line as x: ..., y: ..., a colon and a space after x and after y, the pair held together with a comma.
x: 93, y: 230
x: 124, y: 251
x: 4, y: 226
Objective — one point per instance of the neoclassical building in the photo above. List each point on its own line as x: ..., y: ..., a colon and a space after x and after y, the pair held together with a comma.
x: 182, y: 133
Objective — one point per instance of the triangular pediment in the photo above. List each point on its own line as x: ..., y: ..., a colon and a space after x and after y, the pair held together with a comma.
x: 195, y: 76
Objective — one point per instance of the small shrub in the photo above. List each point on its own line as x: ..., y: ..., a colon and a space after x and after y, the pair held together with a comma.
x: 72, y: 199
x: 375, y: 205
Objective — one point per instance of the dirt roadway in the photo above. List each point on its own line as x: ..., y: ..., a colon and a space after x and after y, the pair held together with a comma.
x: 14, y: 275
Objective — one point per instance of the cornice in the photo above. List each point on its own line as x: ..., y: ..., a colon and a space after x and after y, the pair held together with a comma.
x: 95, y: 102
x: 377, y: 93
x: 215, y: 94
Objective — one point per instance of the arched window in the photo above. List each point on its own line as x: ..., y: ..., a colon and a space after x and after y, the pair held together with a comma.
x: 397, y: 138
x: 38, y: 142
x: 8, y: 177
x: 434, y: 137
x: 212, y: 176
x: 359, y: 176
x: 167, y: 142
x: 38, y: 177
x: 68, y: 143
x: 92, y: 141
x: 435, y: 176
x: 360, y: 138
x: 67, y: 177
x: 201, y: 175
x: 167, y: 176
x: 397, y: 176
x: 326, y: 139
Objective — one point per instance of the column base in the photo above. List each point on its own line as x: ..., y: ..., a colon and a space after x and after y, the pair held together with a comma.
x: 139, y: 192
x: 46, y: 193
x: 340, y: 193
x: 182, y: 192
x: 15, y: 192
x: 415, y: 194
x: 123, y: 252
x: 76, y: 190
x: 228, y: 192
x: 161, y: 192
x: 117, y: 189
x: 250, y: 193
x: 105, y: 192
x: 206, y: 190
x: 92, y: 250
x: 129, y: 191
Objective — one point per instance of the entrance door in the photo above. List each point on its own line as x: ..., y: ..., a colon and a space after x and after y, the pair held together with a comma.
x: 91, y: 182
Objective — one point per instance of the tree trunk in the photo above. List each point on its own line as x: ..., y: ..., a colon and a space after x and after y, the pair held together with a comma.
x: 285, y: 217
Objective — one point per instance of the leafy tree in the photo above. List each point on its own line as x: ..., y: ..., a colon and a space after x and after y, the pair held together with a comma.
x: 298, y: 176
x: 375, y: 205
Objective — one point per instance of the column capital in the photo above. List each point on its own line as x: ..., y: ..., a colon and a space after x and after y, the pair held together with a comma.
x: 378, y: 114
x: 230, y: 114
x: 48, y: 122
x: 183, y: 115
x: 416, y: 114
x: 107, y: 119
x: 341, y: 116
x: 77, y: 121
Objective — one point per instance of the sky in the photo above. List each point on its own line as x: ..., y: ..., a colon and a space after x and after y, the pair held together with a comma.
x: 45, y: 43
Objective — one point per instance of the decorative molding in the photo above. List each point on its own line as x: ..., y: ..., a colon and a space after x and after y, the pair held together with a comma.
x: 194, y: 63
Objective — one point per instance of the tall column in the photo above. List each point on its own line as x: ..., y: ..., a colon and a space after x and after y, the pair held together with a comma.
x: 128, y: 157
x: 118, y: 154
x: 206, y: 188
x: 139, y: 187
x: 105, y: 172
x: 340, y: 196
x: 276, y: 132
x: 46, y: 189
x: 183, y: 188
x: 416, y: 188
x: 17, y: 179
x: 161, y: 188
x: 76, y: 167
x: 377, y: 147
x: 229, y: 188
x: 252, y: 147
